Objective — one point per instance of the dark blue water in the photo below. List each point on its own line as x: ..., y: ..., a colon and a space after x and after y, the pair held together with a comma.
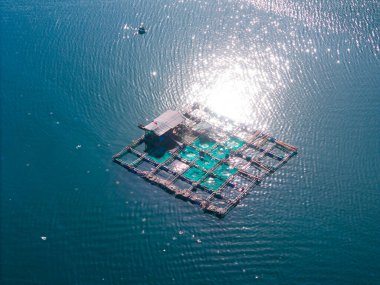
x: 75, y: 82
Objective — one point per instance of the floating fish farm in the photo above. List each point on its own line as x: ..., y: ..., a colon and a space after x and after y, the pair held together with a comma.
x: 204, y: 158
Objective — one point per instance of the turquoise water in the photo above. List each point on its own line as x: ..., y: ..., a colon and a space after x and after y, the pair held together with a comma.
x: 203, y: 145
x: 75, y: 82
x: 189, y: 153
x: 194, y: 174
x: 206, y: 162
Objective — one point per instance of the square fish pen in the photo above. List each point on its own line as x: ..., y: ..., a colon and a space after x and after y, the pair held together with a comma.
x: 204, y: 158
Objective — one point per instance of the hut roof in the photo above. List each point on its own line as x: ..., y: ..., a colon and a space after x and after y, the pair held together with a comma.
x: 165, y: 122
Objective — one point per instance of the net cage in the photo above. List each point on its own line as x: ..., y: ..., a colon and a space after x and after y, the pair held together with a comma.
x: 214, y: 168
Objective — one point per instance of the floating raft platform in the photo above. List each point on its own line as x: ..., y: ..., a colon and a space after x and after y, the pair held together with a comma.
x: 210, y: 160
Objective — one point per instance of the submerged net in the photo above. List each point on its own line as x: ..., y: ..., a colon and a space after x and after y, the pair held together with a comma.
x: 212, y: 183
x: 128, y: 157
x: 178, y: 166
x: 182, y: 184
x: 145, y: 166
x: 189, y: 153
x: 204, y: 144
x: 206, y: 162
x: 234, y: 143
x: 194, y: 174
x: 220, y: 152
x: 225, y: 171
x: 159, y: 157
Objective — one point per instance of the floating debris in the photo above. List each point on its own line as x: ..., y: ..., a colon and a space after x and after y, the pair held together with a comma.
x: 43, y: 238
x: 204, y: 158
x: 78, y: 146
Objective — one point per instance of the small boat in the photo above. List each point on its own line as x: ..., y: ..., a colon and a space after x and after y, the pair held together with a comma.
x: 142, y: 30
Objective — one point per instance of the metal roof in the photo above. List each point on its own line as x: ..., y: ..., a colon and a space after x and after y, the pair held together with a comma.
x: 203, y: 126
x: 165, y: 122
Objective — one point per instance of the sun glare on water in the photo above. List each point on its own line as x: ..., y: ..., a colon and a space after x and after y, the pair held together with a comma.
x: 230, y: 94
x: 239, y: 89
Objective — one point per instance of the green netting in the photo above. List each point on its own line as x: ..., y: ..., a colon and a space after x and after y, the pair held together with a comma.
x: 204, y: 144
x: 220, y: 152
x: 206, y: 162
x: 189, y: 153
x: 234, y: 143
x: 194, y: 174
x: 225, y: 171
x: 159, y: 157
x: 212, y: 183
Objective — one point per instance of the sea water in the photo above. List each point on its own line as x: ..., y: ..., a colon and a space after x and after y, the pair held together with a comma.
x: 76, y: 80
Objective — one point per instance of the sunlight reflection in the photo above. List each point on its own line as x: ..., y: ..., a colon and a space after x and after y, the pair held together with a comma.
x: 241, y: 89
x: 229, y: 94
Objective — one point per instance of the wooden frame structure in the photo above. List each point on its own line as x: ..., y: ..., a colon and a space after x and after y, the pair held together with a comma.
x: 214, y: 168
